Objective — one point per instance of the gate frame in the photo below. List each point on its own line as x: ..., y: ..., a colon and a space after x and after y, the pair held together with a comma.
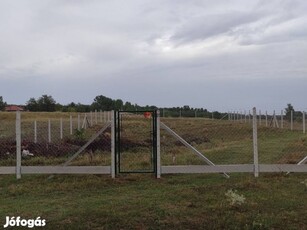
x: 115, y: 143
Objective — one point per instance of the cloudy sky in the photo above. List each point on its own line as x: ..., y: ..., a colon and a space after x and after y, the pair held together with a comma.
x: 220, y: 55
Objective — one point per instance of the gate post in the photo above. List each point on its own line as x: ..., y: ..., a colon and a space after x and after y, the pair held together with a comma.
x: 113, y: 163
x: 158, y: 146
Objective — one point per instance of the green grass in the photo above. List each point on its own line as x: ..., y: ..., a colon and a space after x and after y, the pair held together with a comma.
x: 273, y: 201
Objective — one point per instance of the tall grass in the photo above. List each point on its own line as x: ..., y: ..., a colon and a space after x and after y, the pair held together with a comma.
x: 272, y: 201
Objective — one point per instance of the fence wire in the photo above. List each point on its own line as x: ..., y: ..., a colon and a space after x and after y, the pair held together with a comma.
x: 282, y: 139
x: 7, y: 139
x: 49, y: 139
x: 54, y: 141
x: 222, y: 142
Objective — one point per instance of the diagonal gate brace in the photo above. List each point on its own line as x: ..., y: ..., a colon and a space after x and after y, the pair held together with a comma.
x: 303, y: 161
x: 87, y: 144
x: 168, y: 129
x: 184, y: 142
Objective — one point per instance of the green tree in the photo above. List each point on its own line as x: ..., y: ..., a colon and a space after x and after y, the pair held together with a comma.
x: 103, y: 103
x: 118, y: 104
x: 83, y: 108
x: 2, y: 104
x: 128, y: 106
x: 46, y: 103
x: 32, y: 105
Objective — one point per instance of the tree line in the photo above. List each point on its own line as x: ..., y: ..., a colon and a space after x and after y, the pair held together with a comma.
x: 46, y: 103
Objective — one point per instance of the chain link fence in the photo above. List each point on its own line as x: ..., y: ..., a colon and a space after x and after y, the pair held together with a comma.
x: 7, y: 139
x: 220, y: 141
x: 281, y: 139
x: 51, y: 139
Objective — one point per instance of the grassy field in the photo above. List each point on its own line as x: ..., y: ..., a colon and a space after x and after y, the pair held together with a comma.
x: 273, y: 201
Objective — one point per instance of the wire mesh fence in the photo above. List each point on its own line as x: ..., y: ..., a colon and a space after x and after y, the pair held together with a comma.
x: 53, y: 140
x: 281, y: 139
x: 7, y: 139
x: 222, y: 142
x: 85, y: 140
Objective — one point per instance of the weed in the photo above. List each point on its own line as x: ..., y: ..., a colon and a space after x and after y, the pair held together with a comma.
x: 234, y: 198
x: 304, y: 182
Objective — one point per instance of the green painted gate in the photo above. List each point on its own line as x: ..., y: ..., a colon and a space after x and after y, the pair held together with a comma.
x: 135, y: 141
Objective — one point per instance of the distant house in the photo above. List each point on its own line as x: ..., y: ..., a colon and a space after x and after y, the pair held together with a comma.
x: 13, y: 108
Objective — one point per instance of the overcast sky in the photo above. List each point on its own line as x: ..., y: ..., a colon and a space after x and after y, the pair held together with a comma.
x: 220, y: 55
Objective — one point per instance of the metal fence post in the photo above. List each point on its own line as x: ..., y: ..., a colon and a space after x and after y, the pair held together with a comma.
x: 158, y: 146
x: 113, y: 145
x: 255, y: 143
x: 18, y: 145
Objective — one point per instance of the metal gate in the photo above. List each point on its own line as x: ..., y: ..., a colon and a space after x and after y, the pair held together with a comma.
x: 135, y: 141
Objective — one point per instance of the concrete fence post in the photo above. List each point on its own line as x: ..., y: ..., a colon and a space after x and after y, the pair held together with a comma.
x: 35, y: 131
x: 18, y: 145
x: 70, y: 124
x: 255, y: 143
x: 244, y: 116
x: 291, y: 122
x: 61, y: 128
x: 113, y: 163
x: 79, y: 121
x: 304, y: 122
x: 49, y: 131
x: 158, y: 146
x: 109, y: 113
x: 281, y: 119
x: 91, y: 117
x: 96, y: 117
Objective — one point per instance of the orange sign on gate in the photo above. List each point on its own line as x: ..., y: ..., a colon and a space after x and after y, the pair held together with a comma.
x: 147, y: 114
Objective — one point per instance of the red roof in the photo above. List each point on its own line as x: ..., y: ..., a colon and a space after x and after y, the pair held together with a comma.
x: 13, y: 108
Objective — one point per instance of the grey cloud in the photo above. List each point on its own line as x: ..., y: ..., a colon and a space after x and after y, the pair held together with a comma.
x: 203, y: 27
x: 76, y: 50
